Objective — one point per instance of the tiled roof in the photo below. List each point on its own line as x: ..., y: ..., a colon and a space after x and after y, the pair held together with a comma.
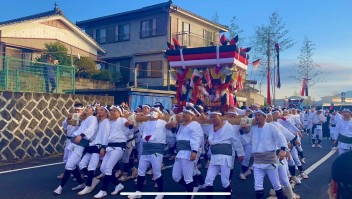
x: 160, y: 6
x: 55, y: 11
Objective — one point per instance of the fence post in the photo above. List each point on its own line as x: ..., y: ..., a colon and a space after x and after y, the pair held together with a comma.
x: 57, y: 77
x: 73, y: 76
x: 6, y: 73
x: 17, y: 80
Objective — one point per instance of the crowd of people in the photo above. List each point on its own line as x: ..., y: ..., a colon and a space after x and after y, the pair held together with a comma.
x: 264, y: 142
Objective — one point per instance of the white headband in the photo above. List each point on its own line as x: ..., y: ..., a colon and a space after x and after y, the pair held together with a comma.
x: 157, y: 109
x: 231, y: 112
x: 261, y: 112
x: 188, y: 111
x: 214, y: 113
x: 78, y: 107
x: 118, y: 108
x: 146, y: 105
x: 106, y: 108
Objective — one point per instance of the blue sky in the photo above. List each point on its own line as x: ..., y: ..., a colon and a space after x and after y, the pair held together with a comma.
x: 326, y: 23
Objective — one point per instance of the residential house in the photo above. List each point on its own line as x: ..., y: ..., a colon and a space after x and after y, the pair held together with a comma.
x: 25, y: 37
x: 135, y: 40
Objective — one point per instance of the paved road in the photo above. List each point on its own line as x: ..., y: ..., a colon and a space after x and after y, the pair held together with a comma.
x: 40, y: 182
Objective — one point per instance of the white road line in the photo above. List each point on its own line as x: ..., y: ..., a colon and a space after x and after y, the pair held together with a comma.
x: 176, y: 193
x: 45, y: 165
x: 321, y: 161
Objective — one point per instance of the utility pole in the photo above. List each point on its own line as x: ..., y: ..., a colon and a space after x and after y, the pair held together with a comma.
x: 268, y: 72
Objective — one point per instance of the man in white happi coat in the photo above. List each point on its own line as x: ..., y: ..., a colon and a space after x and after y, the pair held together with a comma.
x: 81, y: 138
x: 70, y: 125
x: 344, y: 132
x: 153, y: 138
x: 317, y: 119
x: 283, y: 164
x: 188, y: 143
x: 335, y: 117
x: 222, y: 140
x: 94, y: 151
x: 265, y: 141
x: 120, y: 130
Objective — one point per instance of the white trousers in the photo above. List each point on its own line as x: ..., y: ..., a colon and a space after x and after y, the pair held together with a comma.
x: 213, y: 171
x: 110, y: 159
x: 74, y: 156
x: 294, y: 154
x: 128, y: 151
x: 259, y: 174
x: 247, y: 154
x: 317, y: 134
x: 67, y: 151
x: 283, y: 176
x: 90, y: 160
x: 183, y: 168
x: 145, y: 161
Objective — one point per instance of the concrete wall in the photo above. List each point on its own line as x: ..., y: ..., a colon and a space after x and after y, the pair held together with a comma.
x: 30, y: 123
x: 93, y: 84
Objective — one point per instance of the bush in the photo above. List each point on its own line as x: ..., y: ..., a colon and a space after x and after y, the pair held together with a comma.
x: 103, y: 75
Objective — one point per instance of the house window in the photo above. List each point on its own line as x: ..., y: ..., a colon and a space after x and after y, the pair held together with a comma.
x: 208, y: 37
x: 148, y: 28
x: 100, y: 35
x: 122, y: 32
x: 186, y: 30
x: 151, y: 69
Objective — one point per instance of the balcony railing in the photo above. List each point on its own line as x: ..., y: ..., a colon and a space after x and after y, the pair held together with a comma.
x: 191, y: 40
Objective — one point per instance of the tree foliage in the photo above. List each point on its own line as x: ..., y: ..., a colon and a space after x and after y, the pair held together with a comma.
x: 306, y: 68
x: 215, y: 18
x: 234, y: 30
x: 266, y: 36
x: 58, y: 51
x: 86, y: 67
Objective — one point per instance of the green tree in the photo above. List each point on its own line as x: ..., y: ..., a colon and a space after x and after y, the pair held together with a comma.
x: 234, y: 30
x: 266, y: 36
x: 58, y: 51
x: 86, y: 67
x: 306, y: 68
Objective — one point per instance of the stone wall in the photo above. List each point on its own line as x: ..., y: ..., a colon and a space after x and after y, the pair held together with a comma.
x: 30, y: 123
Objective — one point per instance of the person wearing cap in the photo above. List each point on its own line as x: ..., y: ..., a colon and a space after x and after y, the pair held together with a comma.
x: 95, y: 150
x: 340, y: 186
x: 189, y: 138
x: 317, y: 119
x: 49, y: 75
x: 81, y: 138
x: 344, y: 132
x: 120, y: 130
x: 223, y: 142
x: 153, y: 138
x: 265, y: 141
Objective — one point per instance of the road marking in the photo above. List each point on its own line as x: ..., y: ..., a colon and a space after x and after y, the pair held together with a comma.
x: 45, y: 165
x: 315, y: 165
x: 175, y: 193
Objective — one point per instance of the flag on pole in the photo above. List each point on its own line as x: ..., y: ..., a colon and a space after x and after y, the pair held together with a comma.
x: 234, y: 40
x: 256, y: 64
x: 278, y: 81
x: 304, y: 91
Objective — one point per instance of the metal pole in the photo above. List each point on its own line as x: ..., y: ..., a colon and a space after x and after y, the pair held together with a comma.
x: 57, y: 77
x: 6, y: 73
x: 73, y: 80
x: 17, y: 80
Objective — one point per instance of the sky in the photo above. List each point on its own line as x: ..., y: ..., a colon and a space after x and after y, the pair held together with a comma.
x: 326, y: 23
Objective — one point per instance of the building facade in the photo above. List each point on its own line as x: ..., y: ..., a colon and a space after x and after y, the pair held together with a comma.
x: 25, y: 38
x: 135, y: 41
